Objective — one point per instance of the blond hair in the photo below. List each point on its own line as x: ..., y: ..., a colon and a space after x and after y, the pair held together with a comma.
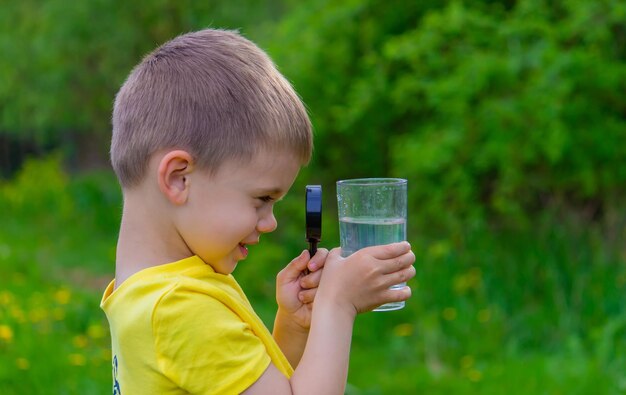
x: 212, y: 93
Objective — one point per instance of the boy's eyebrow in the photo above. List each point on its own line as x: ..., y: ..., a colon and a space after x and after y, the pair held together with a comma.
x: 275, y: 192
x: 270, y: 191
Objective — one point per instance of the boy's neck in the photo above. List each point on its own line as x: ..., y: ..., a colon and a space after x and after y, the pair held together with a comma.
x: 147, y: 238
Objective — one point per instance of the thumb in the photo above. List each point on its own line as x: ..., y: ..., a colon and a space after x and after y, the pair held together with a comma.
x: 292, y: 271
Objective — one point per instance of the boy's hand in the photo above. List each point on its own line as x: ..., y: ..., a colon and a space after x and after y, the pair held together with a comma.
x: 361, y: 282
x: 295, y: 289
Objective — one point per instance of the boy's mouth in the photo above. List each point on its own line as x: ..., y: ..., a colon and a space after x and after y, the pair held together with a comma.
x: 243, y: 249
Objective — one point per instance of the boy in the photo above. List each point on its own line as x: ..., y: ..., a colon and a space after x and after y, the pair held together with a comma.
x: 207, y: 136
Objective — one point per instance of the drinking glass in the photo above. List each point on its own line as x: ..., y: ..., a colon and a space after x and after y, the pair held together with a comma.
x: 372, y: 211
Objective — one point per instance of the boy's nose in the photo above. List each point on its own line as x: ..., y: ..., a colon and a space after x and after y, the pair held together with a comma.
x: 267, y: 223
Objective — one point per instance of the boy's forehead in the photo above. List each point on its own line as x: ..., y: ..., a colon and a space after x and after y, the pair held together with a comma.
x: 271, y: 171
x: 277, y: 153
x: 279, y: 160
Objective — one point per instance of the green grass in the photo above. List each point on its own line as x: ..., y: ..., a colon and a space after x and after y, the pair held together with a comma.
x: 532, y: 311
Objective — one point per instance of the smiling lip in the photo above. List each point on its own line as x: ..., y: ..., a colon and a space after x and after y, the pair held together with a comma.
x: 244, y: 250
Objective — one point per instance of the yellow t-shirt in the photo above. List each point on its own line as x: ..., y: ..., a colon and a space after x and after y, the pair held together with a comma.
x: 182, y: 328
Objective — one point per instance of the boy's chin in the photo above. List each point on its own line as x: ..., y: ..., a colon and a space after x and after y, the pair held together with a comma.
x: 226, y: 267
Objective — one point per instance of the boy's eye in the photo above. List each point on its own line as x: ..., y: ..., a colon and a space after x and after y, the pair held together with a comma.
x: 266, y: 199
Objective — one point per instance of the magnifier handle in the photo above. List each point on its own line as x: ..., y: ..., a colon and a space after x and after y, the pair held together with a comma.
x: 312, y: 247
x: 313, y: 211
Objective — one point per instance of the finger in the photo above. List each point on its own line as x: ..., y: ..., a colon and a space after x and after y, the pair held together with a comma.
x: 396, y: 295
x: 401, y: 276
x: 318, y: 259
x: 398, y: 263
x: 335, y: 252
x: 307, y: 296
x: 311, y: 280
x: 292, y: 271
x: 388, y: 251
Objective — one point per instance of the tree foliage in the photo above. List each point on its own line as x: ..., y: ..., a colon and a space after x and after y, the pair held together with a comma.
x: 489, y: 109
x: 63, y: 62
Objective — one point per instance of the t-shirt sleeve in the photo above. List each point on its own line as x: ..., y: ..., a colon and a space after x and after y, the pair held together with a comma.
x: 204, y: 347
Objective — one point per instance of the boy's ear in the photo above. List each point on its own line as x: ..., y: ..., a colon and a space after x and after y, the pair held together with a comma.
x: 173, y: 172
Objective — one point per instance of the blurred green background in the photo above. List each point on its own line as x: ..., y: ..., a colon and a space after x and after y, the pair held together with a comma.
x: 507, y: 117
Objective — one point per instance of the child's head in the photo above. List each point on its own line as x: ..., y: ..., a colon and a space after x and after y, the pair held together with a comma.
x: 213, y: 94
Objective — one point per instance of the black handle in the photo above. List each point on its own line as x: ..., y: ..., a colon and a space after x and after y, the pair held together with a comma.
x: 313, y: 209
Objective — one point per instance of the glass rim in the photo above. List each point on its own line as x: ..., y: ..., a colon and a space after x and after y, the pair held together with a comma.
x: 372, y: 181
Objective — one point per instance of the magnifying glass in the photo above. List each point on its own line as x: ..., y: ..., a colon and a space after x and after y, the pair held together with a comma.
x: 313, y: 208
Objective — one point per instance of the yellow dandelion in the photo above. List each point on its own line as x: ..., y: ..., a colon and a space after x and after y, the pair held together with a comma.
x: 474, y: 375
x: 96, y: 331
x: 6, y: 333
x: 449, y: 314
x: 467, y: 362
x: 403, y: 330
x: 58, y: 314
x: 439, y: 249
x: 105, y: 354
x: 19, y: 279
x: 468, y: 281
x: 22, y: 363
x: 80, y: 341
x: 475, y: 274
x: 460, y: 284
x: 18, y: 314
x: 38, y: 314
x: 63, y: 296
x: 77, y: 359
x: 6, y: 298
x: 484, y: 315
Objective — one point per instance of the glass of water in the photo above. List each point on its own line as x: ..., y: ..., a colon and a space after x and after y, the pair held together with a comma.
x: 372, y: 211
